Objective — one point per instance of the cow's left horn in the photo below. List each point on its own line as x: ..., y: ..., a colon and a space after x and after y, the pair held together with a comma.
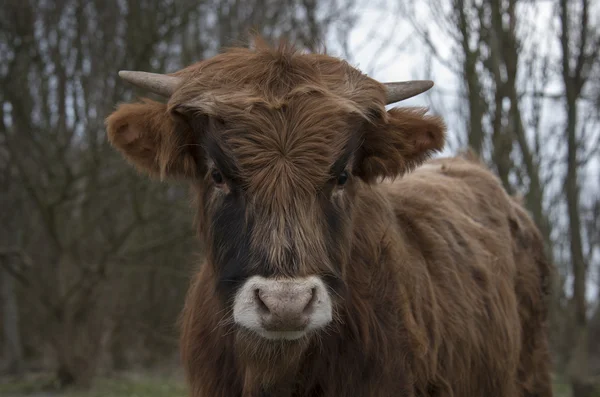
x: 405, y: 89
x: 160, y: 84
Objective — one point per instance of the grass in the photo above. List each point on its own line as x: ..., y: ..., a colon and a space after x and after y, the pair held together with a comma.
x: 139, y: 385
x: 122, y: 385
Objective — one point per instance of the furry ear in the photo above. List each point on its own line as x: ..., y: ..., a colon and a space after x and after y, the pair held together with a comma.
x: 153, y: 140
x: 402, y: 140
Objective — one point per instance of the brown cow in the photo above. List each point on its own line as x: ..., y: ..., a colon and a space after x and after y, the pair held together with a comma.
x: 331, y: 270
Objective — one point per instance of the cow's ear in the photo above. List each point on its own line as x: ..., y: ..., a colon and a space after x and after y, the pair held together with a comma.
x: 398, y: 142
x: 154, y: 140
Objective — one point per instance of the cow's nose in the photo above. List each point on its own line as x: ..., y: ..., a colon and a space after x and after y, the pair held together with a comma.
x: 285, y: 306
x: 282, y: 308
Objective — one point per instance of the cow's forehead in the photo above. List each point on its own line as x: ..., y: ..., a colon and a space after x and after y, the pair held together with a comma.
x: 277, y: 151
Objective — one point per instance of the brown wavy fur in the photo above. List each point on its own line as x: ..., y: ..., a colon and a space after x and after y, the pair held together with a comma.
x: 445, y: 273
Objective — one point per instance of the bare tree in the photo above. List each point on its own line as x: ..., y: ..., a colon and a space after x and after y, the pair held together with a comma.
x: 14, y: 360
x: 97, y: 261
x: 580, y: 49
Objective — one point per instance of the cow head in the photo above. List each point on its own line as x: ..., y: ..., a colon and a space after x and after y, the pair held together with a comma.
x: 278, y: 144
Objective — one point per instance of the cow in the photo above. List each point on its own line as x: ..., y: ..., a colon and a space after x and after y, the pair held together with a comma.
x: 344, y: 256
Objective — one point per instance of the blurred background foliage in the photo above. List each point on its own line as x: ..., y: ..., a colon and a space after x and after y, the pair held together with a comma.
x: 95, y: 259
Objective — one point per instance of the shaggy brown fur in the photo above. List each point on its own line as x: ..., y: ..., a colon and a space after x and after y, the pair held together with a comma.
x: 438, y: 276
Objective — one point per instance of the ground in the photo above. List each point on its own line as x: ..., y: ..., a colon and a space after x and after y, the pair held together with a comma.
x: 121, y: 385
x: 134, y: 385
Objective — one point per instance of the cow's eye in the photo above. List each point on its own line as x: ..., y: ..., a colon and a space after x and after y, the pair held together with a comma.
x: 342, y: 178
x: 217, y: 177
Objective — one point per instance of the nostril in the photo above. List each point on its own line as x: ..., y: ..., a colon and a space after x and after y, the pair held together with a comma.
x: 261, y: 304
x: 311, y: 303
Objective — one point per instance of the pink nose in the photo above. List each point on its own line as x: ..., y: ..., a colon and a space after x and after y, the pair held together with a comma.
x: 278, y: 309
x: 285, y: 306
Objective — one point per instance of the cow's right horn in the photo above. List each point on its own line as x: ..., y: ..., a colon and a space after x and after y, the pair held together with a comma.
x: 402, y: 90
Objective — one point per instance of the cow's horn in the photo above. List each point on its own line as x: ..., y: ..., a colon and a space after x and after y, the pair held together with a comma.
x: 160, y: 84
x: 405, y: 89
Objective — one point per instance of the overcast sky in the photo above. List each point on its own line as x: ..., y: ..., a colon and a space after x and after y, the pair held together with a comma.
x: 392, y: 56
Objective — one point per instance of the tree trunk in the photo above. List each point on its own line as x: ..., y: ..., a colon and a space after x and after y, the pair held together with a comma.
x: 574, y: 79
x: 572, y: 192
x: 13, y: 348
x: 476, y: 104
x: 579, y: 368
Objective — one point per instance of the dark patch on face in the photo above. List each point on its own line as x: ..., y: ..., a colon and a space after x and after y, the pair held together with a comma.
x: 235, y: 260
x: 229, y: 231
x: 335, y: 222
x: 231, y: 244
